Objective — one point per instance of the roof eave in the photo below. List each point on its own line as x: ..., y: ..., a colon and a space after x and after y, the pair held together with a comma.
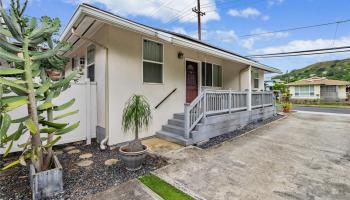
x: 117, y: 21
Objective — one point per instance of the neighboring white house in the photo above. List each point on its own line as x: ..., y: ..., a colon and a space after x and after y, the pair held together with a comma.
x: 318, y: 88
x: 125, y: 58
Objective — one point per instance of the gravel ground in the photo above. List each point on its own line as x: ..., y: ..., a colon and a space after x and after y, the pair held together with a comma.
x: 78, y: 181
x: 222, y: 138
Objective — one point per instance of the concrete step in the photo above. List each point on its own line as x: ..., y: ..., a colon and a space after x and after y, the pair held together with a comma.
x: 177, y: 122
x: 174, y: 138
x: 174, y: 129
x: 180, y: 116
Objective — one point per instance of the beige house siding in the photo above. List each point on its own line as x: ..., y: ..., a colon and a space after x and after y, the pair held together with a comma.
x: 317, y: 88
x: 125, y: 78
x: 342, y: 92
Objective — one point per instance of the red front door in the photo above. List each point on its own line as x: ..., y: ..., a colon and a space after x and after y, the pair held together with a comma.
x: 191, y: 81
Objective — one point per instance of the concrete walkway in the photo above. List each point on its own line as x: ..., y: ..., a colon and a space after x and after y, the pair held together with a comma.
x: 305, y: 156
x: 319, y: 109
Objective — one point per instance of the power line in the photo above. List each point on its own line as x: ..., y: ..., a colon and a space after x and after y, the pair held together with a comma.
x: 296, y: 28
x: 304, y: 51
x: 305, y: 54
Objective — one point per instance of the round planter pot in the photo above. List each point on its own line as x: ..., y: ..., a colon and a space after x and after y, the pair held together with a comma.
x: 133, y: 160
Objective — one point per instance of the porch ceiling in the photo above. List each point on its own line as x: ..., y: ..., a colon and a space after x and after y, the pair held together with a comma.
x: 87, y: 26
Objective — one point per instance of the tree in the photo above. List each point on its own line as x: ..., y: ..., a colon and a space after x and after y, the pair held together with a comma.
x: 31, y: 53
x: 281, y: 87
x: 137, y: 115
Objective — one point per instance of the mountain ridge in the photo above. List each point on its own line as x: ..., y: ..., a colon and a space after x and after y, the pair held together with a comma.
x: 333, y: 69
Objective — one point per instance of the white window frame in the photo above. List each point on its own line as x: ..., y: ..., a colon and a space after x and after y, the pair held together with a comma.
x: 297, y: 90
x: 212, y: 74
x: 150, y: 61
x: 256, y: 78
x: 87, y: 65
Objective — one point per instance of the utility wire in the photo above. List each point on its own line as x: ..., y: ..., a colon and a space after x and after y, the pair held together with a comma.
x: 304, y: 51
x: 304, y: 54
x: 296, y: 28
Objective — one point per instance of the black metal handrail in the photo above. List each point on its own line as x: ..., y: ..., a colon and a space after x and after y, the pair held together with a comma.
x: 160, y: 103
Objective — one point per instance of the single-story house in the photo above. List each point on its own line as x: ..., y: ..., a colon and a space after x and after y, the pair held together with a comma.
x: 185, y: 80
x: 318, y: 88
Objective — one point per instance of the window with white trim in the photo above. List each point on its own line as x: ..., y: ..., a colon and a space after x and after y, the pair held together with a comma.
x: 91, y: 51
x: 256, y: 80
x: 211, y: 75
x: 305, y: 91
x: 152, y: 62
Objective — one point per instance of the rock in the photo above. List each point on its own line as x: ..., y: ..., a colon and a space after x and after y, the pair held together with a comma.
x: 78, y: 143
x: 74, y: 151
x: 111, y: 162
x: 85, y: 163
x: 58, y: 152
x: 112, y: 148
x: 85, y: 156
x: 68, y: 148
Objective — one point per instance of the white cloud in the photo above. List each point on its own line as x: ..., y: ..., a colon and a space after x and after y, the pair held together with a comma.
x: 222, y: 35
x: 180, y: 30
x: 163, y: 10
x: 248, y: 43
x: 265, y: 18
x: 274, y: 2
x: 246, y: 13
x: 299, y: 45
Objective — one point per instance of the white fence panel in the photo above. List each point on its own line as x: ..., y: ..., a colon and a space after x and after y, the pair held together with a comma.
x: 85, y: 101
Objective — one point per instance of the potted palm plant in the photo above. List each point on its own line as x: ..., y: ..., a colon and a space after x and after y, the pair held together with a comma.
x: 137, y: 115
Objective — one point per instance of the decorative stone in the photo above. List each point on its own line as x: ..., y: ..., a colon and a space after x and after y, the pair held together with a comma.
x: 111, y: 162
x: 78, y: 143
x: 113, y: 148
x: 68, y: 148
x: 58, y: 152
x: 85, y: 156
x: 85, y: 163
x: 75, y: 151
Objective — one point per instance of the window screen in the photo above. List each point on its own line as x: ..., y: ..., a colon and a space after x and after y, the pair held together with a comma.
x: 152, y: 62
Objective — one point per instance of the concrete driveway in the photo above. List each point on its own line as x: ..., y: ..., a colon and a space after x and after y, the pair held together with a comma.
x: 305, y: 156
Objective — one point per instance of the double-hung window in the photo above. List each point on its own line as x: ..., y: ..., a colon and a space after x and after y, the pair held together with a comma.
x: 305, y: 91
x: 211, y: 75
x: 256, y: 80
x: 152, y: 62
x: 91, y: 51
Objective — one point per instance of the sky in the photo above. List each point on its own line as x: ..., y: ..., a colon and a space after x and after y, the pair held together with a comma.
x: 227, y: 20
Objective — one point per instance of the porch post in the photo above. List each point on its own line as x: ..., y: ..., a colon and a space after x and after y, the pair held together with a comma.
x: 187, y: 121
x: 249, y: 99
x: 205, y: 104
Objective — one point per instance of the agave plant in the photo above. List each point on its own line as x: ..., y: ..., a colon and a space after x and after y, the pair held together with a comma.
x: 29, y: 48
x: 137, y: 115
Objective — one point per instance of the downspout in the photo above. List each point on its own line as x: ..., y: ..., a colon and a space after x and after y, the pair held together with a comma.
x: 103, y: 145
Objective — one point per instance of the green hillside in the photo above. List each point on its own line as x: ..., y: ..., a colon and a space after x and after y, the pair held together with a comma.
x: 336, y: 69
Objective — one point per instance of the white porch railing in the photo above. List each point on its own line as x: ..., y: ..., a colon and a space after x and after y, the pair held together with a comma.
x: 218, y: 102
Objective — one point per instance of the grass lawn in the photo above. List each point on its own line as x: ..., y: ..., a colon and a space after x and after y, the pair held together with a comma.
x: 322, y: 106
x: 163, y: 189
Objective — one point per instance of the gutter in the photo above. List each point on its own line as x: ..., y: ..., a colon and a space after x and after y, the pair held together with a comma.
x: 103, y: 145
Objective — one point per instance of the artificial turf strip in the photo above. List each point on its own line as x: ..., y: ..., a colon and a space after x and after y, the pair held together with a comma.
x: 163, y: 189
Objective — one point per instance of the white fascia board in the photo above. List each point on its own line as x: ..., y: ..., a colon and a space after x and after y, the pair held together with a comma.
x: 126, y: 24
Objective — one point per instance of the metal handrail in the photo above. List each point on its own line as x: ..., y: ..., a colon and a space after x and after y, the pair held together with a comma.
x: 162, y: 101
